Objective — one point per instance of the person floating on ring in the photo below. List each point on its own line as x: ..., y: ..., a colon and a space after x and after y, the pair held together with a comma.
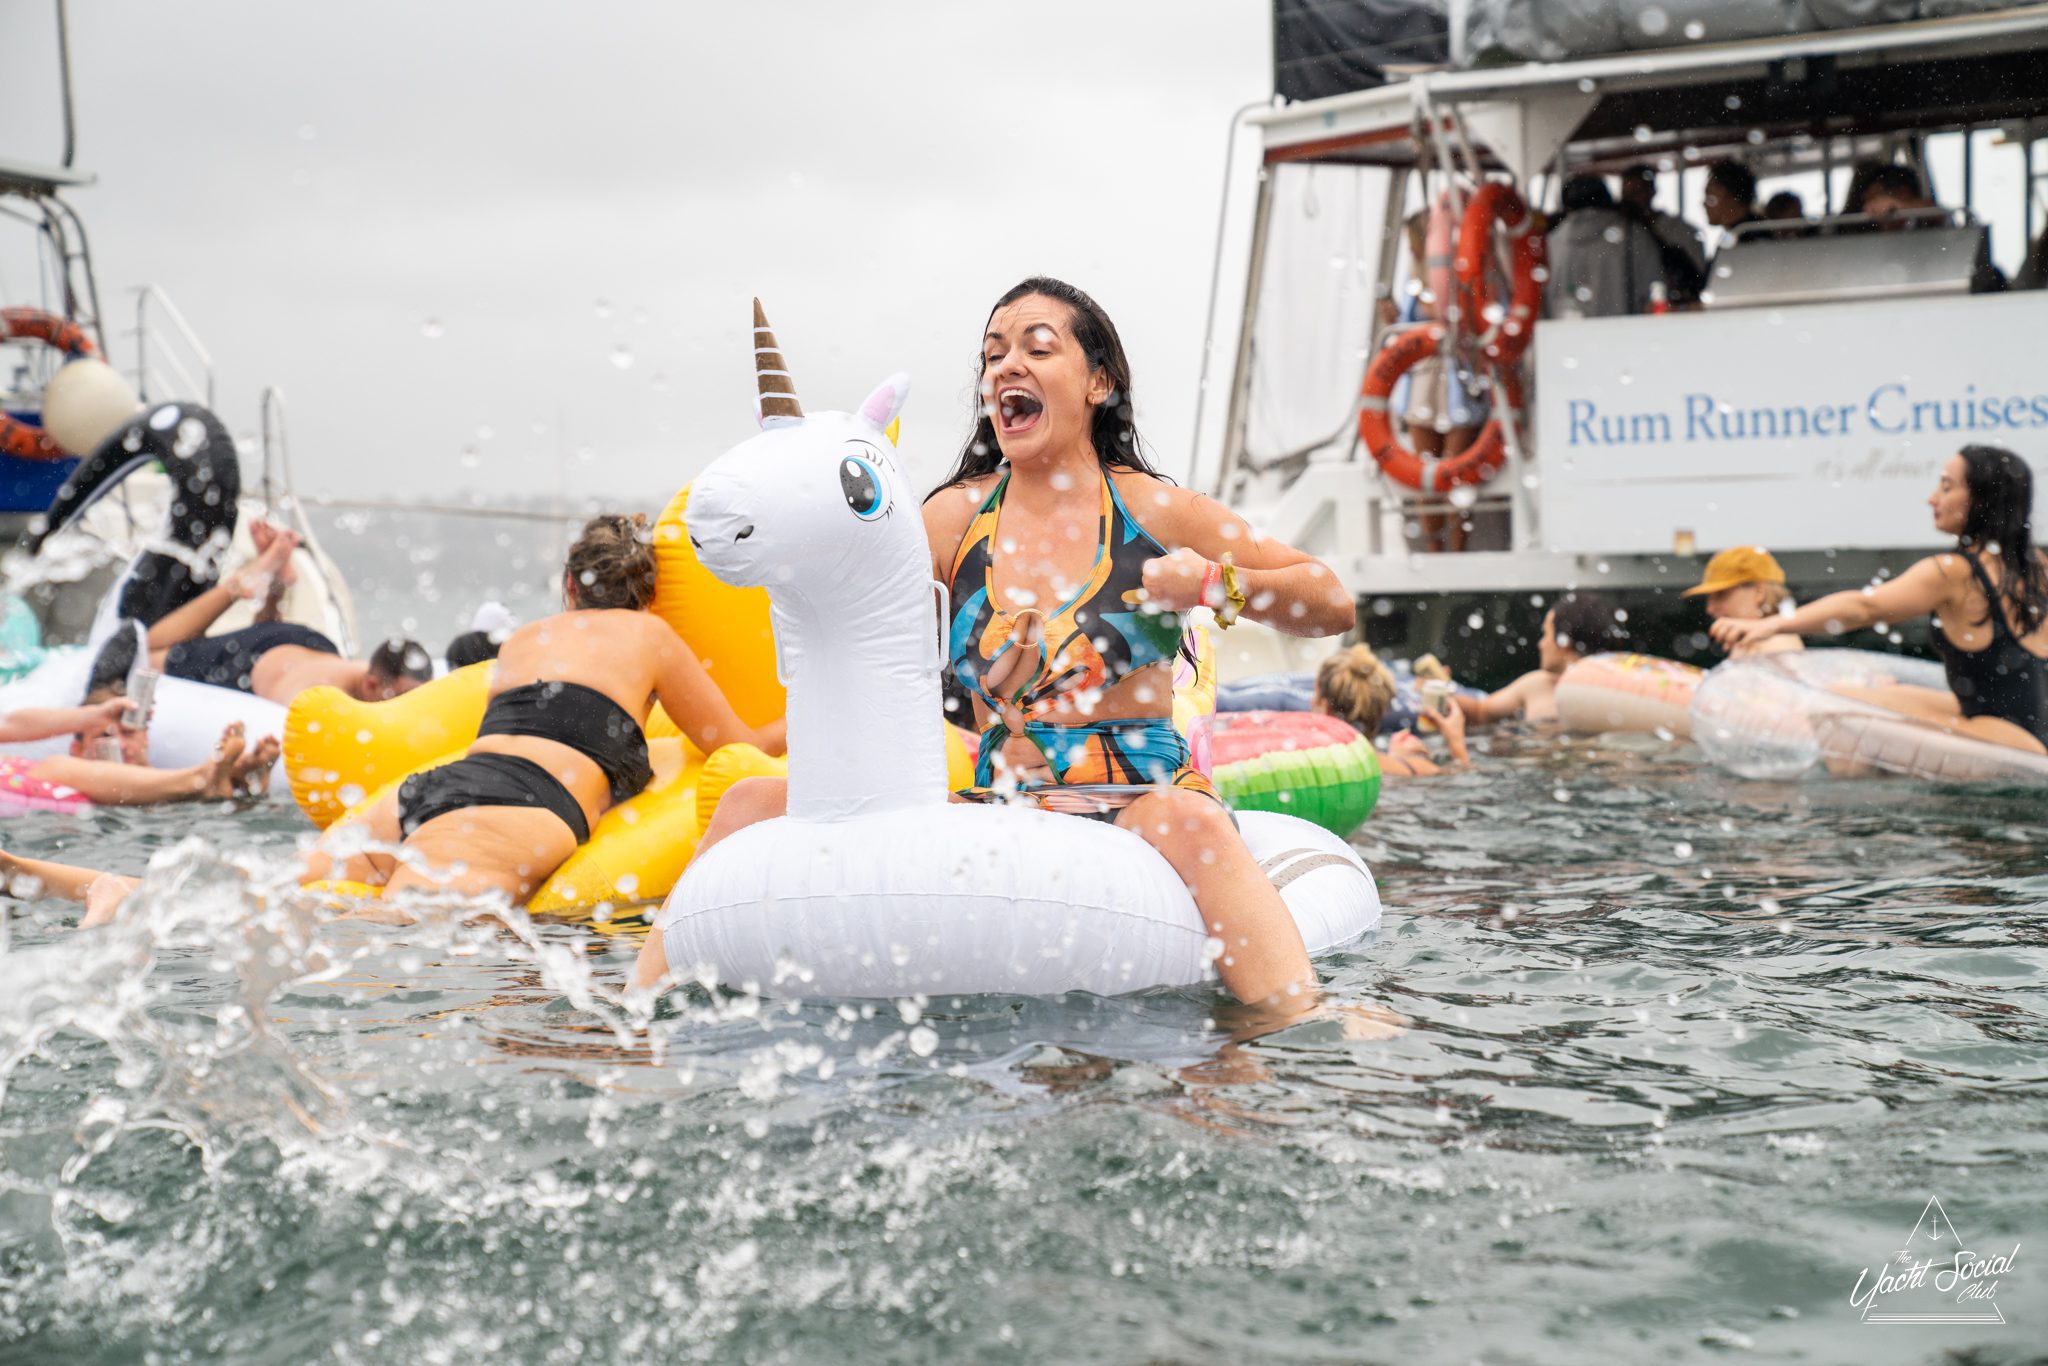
x: 1746, y: 583
x: 1988, y: 599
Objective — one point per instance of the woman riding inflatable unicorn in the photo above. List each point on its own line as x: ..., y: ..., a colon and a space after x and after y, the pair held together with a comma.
x: 1068, y: 563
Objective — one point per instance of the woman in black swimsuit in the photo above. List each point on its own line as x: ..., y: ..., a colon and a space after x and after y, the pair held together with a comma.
x: 561, y: 740
x: 1988, y: 598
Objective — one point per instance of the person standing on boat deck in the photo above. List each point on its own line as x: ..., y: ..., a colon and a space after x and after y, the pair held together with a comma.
x: 1745, y: 583
x: 1603, y: 262
x: 1730, y: 198
x: 1685, y: 260
x: 1988, y: 598
x: 1071, y: 563
x: 562, y: 741
x: 1442, y: 417
x: 1896, y: 197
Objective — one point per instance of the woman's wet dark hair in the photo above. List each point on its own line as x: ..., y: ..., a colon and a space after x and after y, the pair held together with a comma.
x: 2001, y: 520
x: 1588, y: 622
x: 1114, y: 432
x: 400, y: 658
x: 612, y: 563
x: 471, y: 647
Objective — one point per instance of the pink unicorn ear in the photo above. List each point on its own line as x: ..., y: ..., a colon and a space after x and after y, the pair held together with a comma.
x: 882, y: 406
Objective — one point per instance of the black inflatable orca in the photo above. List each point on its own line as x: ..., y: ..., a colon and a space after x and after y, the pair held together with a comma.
x: 206, y: 483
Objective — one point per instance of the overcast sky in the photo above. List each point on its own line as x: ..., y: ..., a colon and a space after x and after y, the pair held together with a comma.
x: 580, y: 200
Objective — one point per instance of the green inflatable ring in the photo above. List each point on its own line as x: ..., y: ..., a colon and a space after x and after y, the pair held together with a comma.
x: 1296, y: 763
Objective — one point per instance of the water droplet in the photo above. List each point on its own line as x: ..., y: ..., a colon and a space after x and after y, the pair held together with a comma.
x: 1682, y: 849
x: 1654, y: 21
x: 431, y: 329
x: 604, y: 308
x: 622, y: 358
x: 923, y: 1041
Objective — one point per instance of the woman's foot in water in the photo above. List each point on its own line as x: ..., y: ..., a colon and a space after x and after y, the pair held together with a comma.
x: 219, y: 781
x: 104, y: 899
x: 250, y: 775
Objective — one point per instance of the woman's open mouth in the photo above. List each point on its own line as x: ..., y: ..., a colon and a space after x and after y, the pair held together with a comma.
x: 1017, y: 411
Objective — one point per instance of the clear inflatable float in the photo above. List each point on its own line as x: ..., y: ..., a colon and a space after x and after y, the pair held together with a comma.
x: 1782, y: 716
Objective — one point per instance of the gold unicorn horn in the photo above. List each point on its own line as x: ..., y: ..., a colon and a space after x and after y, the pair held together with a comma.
x: 778, y: 390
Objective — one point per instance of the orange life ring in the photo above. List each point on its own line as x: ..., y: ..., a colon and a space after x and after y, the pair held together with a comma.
x: 18, y: 438
x: 1476, y: 464
x: 1506, y: 326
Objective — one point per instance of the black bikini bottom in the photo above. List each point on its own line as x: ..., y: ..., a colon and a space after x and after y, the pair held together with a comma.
x: 487, y: 780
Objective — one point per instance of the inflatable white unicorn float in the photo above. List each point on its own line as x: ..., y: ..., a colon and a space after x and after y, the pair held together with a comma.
x: 874, y: 884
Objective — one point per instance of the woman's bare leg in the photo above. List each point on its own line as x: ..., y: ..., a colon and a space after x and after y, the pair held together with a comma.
x: 1456, y: 441
x: 380, y: 824
x: 484, y: 849
x: 747, y: 802
x: 1939, y: 706
x: 1928, y: 704
x: 1264, y: 961
x: 1429, y: 444
x: 54, y: 879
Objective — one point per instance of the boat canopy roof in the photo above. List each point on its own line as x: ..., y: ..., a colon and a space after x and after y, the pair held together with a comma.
x: 1925, y: 75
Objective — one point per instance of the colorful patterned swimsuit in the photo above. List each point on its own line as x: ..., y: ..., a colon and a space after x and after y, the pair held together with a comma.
x: 1097, y: 638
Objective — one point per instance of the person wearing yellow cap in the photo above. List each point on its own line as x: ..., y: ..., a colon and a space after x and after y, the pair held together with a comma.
x: 1746, y: 583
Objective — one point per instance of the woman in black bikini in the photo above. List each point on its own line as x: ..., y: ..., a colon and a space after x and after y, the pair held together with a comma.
x: 561, y: 739
x: 561, y: 742
x: 1988, y: 598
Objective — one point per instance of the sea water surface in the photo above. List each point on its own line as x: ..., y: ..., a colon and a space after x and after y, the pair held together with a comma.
x: 1684, y: 1057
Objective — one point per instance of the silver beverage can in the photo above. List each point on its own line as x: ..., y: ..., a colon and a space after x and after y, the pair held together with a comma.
x: 141, y: 696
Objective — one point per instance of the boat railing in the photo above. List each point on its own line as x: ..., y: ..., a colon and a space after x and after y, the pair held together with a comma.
x: 282, y: 506
x: 1828, y: 225
x: 169, y: 350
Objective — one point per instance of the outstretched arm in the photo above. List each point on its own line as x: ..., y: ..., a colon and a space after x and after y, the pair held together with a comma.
x: 1927, y: 587
x: 1284, y: 588
x: 191, y: 620
x: 43, y: 723
x: 1501, y: 704
x: 259, y: 576
x: 696, y: 705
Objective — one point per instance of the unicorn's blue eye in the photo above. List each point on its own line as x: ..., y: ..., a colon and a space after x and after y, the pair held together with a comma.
x: 862, y: 485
